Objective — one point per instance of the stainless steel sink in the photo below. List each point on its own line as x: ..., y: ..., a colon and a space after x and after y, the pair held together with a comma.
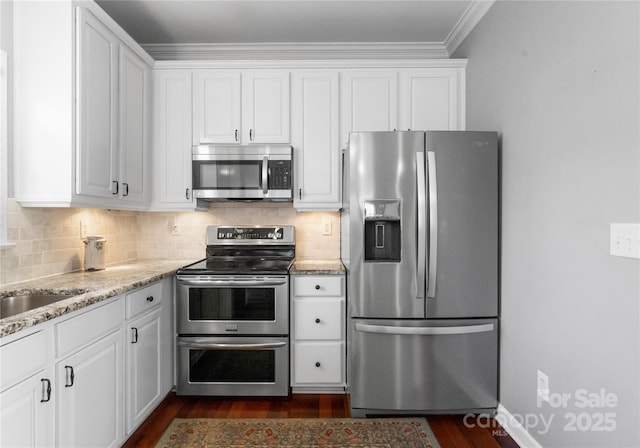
x: 10, y: 306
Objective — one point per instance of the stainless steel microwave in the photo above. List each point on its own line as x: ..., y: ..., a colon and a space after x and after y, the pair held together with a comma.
x: 243, y: 172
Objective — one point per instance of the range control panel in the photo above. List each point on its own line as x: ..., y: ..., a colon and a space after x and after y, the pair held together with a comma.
x: 250, y: 233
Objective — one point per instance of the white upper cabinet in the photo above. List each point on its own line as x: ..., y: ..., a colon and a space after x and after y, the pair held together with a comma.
x: 241, y: 107
x: 172, y: 140
x: 81, y: 122
x: 97, y: 112
x: 432, y: 99
x: 315, y: 114
x: 369, y: 101
x: 135, y: 85
x: 265, y: 107
x: 216, y: 107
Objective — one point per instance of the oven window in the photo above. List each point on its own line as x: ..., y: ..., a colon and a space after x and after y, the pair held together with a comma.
x: 232, y: 304
x: 229, y: 175
x: 232, y: 366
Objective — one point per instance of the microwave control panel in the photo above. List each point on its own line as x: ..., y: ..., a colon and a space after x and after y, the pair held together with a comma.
x: 279, y: 175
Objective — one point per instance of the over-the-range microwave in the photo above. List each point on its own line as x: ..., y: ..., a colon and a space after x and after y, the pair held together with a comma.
x: 246, y: 172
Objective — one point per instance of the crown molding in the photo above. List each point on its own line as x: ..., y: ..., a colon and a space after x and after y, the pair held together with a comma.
x: 297, y: 51
x: 316, y: 64
x: 467, y: 22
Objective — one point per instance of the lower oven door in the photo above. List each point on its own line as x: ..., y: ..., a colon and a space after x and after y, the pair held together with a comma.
x: 233, y: 366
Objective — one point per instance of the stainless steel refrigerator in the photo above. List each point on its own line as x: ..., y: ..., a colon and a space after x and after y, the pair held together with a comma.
x: 420, y: 243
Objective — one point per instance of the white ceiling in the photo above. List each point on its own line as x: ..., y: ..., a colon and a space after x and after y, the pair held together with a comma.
x: 428, y: 28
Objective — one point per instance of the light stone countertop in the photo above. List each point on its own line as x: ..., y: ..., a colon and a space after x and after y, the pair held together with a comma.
x: 88, y: 288
x: 317, y: 267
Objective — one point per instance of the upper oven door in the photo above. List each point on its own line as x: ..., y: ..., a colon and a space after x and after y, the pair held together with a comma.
x: 242, y: 172
x: 234, y: 305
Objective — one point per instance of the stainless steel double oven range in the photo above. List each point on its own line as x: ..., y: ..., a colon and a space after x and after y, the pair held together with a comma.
x: 232, y: 311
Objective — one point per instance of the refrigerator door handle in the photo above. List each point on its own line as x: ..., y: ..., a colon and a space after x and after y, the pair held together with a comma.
x: 424, y: 331
x: 422, y: 231
x: 433, y: 224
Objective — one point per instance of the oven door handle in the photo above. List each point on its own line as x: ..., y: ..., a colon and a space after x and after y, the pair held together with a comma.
x: 240, y: 283
x: 227, y: 346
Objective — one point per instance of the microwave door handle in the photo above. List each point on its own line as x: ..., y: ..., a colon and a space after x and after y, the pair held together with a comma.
x: 265, y: 175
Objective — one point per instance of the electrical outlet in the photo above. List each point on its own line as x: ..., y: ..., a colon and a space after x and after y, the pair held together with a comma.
x: 543, y: 386
x: 326, y: 227
x: 83, y: 230
x: 624, y: 240
x: 175, y: 230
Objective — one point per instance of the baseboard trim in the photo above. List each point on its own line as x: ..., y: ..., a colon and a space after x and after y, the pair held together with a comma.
x: 517, y: 432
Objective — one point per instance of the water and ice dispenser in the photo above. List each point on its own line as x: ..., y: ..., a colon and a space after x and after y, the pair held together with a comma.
x: 382, y: 230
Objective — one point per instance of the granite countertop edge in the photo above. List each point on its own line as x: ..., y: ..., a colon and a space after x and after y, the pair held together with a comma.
x: 87, y: 288
x: 317, y: 267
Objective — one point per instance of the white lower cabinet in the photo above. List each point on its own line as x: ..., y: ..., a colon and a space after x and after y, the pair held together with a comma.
x: 149, y: 350
x: 91, y: 377
x: 143, y: 368
x: 90, y: 410
x: 318, y: 348
x: 26, y: 405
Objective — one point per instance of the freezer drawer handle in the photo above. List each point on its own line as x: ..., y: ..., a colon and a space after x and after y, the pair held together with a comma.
x: 424, y: 331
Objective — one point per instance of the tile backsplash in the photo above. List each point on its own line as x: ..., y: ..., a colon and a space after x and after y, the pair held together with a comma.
x: 48, y: 240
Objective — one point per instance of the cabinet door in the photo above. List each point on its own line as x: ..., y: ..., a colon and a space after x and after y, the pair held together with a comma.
x: 265, y: 108
x: 134, y: 125
x: 90, y: 395
x: 369, y: 101
x: 172, y: 139
x: 216, y: 107
x: 97, y: 144
x: 316, y: 141
x: 144, y: 368
x: 432, y: 100
x: 26, y: 413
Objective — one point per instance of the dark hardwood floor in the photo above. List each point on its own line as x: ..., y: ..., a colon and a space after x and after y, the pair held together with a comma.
x: 450, y: 430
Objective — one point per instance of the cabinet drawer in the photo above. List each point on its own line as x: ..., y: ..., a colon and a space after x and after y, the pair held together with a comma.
x: 143, y: 299
x: 315, y: 363
x: 87, y: 327
x: 317, y: 285
x: 318, y: 319
x: 22, y: 358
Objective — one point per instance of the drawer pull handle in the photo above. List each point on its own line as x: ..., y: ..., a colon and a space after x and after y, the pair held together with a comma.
x: 317, y: 320
x: 317, y: 286
x: 150, y: 299
x: 317, y: 364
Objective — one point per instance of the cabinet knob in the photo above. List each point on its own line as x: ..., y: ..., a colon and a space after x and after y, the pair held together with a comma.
x: 317, y: 320
x: 150, y: 299
x: 317, y: 364
x: 317, y: 286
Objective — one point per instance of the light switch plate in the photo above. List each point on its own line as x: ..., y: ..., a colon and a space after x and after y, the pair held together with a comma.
x: 625, y: 240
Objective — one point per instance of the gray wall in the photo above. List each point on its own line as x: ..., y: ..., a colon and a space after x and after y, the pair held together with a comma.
x: 560, y: 80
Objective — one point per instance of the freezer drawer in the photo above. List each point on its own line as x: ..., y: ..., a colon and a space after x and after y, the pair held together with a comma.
x: 421, y: 366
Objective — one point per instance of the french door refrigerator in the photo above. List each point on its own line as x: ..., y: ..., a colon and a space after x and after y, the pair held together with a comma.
x: 420, y: 243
